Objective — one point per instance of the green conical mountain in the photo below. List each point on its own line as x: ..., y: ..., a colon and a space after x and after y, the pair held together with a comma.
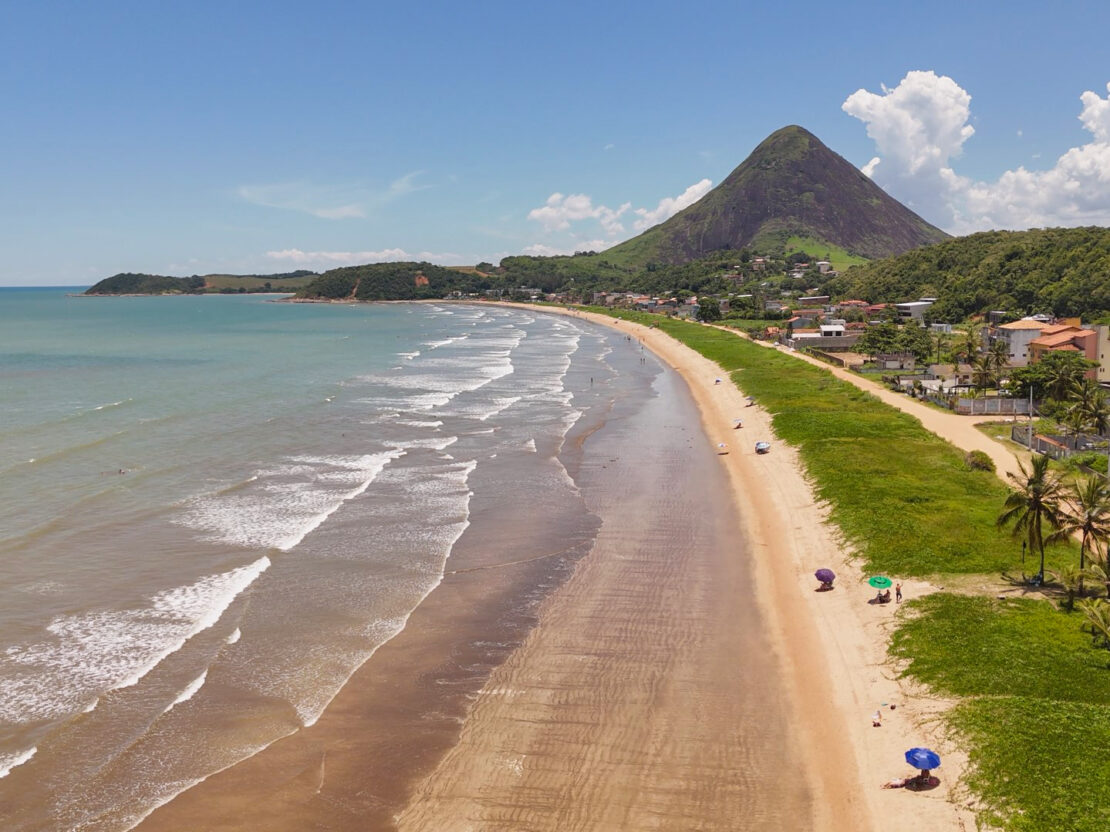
x: 790, y: 186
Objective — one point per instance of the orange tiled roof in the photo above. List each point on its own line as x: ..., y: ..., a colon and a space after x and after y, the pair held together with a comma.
x: 1057, y: 339
x: 1024, y: 325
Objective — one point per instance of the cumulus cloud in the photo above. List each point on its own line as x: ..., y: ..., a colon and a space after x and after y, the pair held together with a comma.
x: 918, y: 128
x: 921, y: 125
x: 580, y: 219
x: 560, y: 211
x: 333, y: 259
x: 670, y: 205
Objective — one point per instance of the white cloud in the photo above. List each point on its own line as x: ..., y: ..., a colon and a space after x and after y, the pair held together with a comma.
x: 544, y: 250
x: 920, y: 126
x: 333, y: 259
x: 329, y: 202
x: 578, y: 215
x: 670, y: 205
x: 560, y: 211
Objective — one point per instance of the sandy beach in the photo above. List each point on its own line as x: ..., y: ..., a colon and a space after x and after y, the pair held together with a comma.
x: 682, y: 674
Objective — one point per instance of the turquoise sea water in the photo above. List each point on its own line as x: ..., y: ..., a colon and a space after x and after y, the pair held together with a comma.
x: 214, y: 509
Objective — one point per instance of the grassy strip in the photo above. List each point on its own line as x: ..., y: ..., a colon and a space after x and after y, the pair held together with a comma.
x: 976, y: 646
x: 1037, y: 765
x: 903, y: 498
x: 1037, y: 720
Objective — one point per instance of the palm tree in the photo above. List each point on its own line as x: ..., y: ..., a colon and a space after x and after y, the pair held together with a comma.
x: 982, y: 370
x: 1070, y: 577
x: 1099, y: 572
x: 1088, y: 515
x: 1097, y: 612
x: 967, y: 346
x: 999, y: 354
x: 1063, y: 376
x: 1035, y: 503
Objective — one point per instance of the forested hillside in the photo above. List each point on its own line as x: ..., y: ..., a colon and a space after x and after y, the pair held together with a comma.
x: 1062, y: 271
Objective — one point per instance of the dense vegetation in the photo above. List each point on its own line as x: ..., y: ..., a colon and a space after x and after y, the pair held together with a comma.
x: 129, y: 283
x: 1061, y: 271
x: 392, y: 281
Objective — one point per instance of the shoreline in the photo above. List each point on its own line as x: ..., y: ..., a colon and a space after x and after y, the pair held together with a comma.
x: 402, y: 713
x: 829, y: 649
x: 833, y: 645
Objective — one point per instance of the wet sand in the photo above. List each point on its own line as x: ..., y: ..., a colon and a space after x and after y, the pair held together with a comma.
x: 644, y: 692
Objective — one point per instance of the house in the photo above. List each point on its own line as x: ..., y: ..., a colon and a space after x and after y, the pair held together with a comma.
x: 773, y: 305
x: 1103, y: 371
x: 1016, y: 336
x: 814, y: 300
x: 914, y: 310
x: 951, y: 375
x: 824, y: 266
x: 1065, y: 338
x: 896, y: 360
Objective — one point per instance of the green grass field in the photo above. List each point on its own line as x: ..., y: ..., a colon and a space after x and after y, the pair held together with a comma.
x: 1036, y: 709
x: 231, y: 281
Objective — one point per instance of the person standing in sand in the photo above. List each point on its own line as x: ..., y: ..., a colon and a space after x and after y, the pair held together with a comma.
x: 898, y: 593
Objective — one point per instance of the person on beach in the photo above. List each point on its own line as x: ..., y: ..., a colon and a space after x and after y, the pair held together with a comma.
x: 898, y: 593
x: 877, y: 720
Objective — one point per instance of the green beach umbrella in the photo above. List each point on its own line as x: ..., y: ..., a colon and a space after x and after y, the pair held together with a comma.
x: 880, y: 581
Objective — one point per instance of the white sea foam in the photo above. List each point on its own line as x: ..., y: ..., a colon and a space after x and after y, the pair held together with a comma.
x: 289, y: 502
x: 85, y: 655
x: 420, y: 423
x: 409, y: 355
x: 234, y: 637
x: 443, y: 487
x: 436, y: 444
x: 435, y: 345
x: 10, y: 761
x: 530, y: 445
x: 189, y: 691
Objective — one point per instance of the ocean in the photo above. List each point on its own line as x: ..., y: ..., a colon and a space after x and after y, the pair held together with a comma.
x: 214, y: 509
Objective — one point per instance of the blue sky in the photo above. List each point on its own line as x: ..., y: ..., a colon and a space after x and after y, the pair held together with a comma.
x: 189, y: 138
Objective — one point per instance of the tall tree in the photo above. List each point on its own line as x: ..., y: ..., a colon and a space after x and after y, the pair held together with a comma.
x: 1087, y: 514
x: 967, y: 345
x: 1036, y: 503
x: 982, y: 370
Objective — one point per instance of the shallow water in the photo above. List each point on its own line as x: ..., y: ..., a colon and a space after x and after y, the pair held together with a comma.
x: 293, y: 480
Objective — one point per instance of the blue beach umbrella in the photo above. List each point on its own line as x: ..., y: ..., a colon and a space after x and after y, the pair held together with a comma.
x: 923, y: 758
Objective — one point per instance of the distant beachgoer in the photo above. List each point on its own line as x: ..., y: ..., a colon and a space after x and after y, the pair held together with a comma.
x: 877, y: 720
x: 898, y: 593
x: 718, y: 381
x: 898, y: 783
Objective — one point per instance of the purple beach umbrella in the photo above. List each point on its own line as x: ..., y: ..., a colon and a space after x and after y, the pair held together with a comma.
x: 825, y: 576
